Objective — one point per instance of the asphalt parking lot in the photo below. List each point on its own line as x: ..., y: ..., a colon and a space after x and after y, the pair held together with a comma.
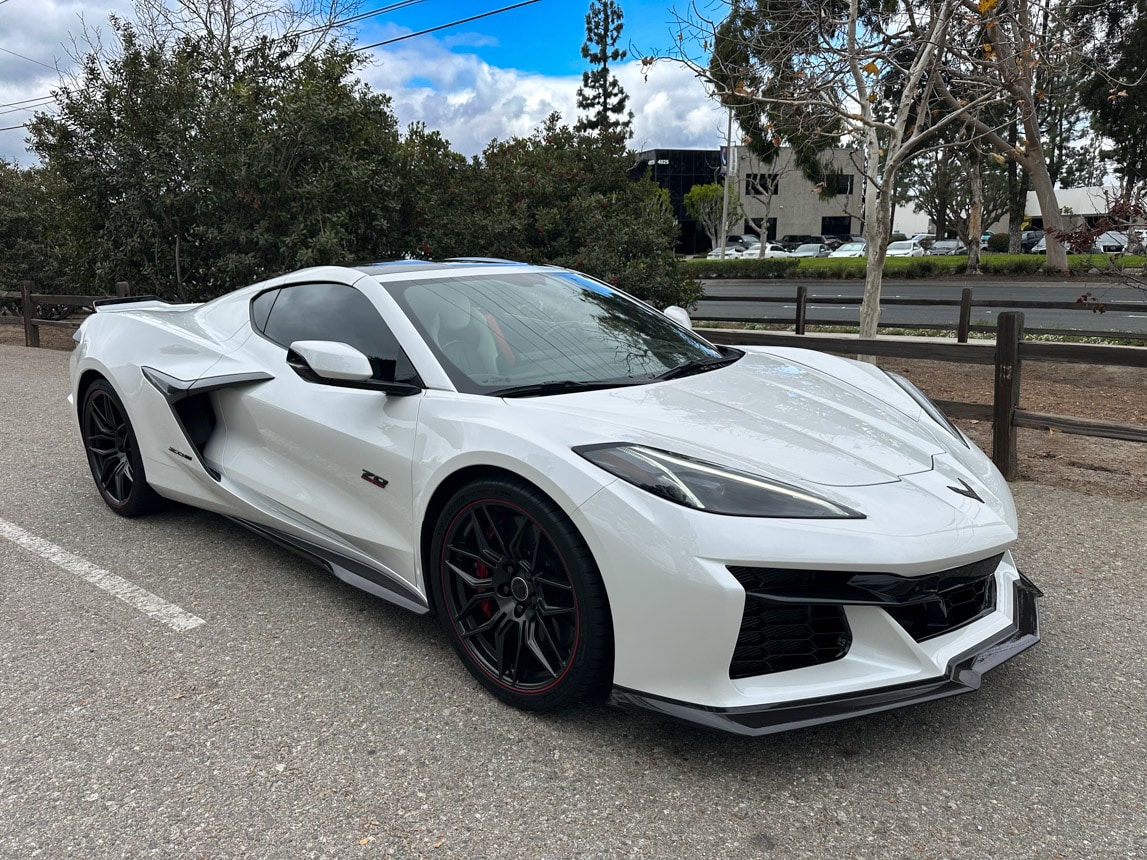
x: 305, y: 719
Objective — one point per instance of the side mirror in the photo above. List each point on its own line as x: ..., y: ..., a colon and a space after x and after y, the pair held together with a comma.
x: 679, y: 315
x: 329, y: 362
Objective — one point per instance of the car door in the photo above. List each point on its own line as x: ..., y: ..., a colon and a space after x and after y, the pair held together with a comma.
x: 335, y: 461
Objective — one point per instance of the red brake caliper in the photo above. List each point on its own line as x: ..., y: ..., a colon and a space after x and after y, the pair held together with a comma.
x: 487, y: 605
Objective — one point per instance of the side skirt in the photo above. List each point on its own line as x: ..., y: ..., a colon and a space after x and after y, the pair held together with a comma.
x: 352, y: 572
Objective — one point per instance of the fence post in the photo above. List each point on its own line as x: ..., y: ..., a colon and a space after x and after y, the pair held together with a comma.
x: 1009, y: 333
x: 122, y: 289
x: 802, y: 308
x: 31, y: 330
x: 965, y: 315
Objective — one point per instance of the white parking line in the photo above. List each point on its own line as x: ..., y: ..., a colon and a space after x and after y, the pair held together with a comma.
x: 139, y: 598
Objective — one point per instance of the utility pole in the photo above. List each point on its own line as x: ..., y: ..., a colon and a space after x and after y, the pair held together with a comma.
x: 728, y: 170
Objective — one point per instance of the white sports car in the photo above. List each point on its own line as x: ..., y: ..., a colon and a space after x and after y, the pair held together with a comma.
x: 591, y: 498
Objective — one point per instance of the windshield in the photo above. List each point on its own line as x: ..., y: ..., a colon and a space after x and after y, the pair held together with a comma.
x: 852, y: 246
x: 499, y: 331
x: 900, y: 246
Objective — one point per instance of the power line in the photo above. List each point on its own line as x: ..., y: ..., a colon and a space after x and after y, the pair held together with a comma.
x: 362, y: 16
x: 29, y: 59
x: 444, y: 26
x: 27, y: 107
x: 24, y: 101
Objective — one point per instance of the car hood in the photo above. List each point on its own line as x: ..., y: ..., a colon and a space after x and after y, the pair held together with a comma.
x: 764, y: 414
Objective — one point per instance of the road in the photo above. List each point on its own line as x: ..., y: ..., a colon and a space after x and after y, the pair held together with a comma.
x: 985, y: 289
x: 304, y: 719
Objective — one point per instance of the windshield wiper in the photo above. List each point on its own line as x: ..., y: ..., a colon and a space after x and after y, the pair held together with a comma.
x: 701, y: 365
x: 562, y: 386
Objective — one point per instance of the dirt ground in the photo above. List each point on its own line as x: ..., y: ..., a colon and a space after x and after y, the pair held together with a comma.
x: 1103, y: 467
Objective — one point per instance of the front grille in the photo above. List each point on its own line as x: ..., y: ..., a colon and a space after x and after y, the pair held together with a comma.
x: 775, y: 637
x: 795, y: 618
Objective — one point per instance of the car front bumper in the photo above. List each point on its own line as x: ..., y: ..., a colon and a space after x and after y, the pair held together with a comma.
x: 963, y: 675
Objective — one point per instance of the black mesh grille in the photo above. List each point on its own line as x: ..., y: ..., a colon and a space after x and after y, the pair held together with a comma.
x: 795, y: 618
x: 776, y: 637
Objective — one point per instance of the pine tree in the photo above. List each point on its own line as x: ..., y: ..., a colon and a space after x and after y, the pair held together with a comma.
x: 600, y: 94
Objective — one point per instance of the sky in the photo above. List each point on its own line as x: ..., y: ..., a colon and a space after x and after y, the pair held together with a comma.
x: 492, y: 78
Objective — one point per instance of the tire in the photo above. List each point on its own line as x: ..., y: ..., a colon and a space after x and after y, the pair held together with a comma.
x: 113, y: 453
x: 520, y: 597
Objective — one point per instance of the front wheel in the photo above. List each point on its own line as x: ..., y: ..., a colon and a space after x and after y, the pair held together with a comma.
x: 520, y: 596
x: 113, y: 453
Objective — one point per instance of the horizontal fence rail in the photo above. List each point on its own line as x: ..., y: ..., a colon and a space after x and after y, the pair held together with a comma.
x: 30, y: 302
x: 1007, y: 355
x: 802, y: 300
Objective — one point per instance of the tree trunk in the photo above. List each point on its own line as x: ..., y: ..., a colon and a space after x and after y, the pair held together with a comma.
x: 1035, y: 163
x: 878, y: 209
x: 976, y: 214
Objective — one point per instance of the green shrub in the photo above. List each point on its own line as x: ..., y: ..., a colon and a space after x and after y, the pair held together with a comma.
x: 1012, y: 264
x: 832, y: 267
x: 772, y: 267
x: 998, y: 242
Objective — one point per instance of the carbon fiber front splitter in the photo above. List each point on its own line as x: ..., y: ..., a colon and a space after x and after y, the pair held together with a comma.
x: 964, y: 675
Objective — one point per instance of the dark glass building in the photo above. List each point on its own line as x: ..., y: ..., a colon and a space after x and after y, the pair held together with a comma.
x: 678, y: 170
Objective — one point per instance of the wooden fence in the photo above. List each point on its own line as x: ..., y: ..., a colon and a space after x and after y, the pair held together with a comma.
x: 30, y: 302
x: 1007, y: 355
x: 800, y: 319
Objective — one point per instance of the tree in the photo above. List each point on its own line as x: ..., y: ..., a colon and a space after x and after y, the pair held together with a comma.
x: 887, y: 77
x: 30, y: 236
x: 564, y: 198
x: 226, y: 28
x: 600, y: 93
x: 705, y: 203
x: 943, y: 183
x: 1120, y: 107
x: 815, y: 73
x: 191, y: 172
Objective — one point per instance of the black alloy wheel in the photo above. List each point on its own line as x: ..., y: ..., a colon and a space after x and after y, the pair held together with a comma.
x: 113, y: 454
x: 519, y: 594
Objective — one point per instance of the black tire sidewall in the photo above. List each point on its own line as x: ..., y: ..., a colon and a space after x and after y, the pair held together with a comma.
x: 142, y: 499
x: 591, y: 668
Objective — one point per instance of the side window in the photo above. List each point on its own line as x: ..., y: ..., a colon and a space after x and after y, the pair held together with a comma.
x: 332, y: 312
x: 261, y: 309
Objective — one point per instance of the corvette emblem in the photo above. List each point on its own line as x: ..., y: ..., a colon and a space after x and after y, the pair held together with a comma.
x: 372, y: 478
x: 965, y: 489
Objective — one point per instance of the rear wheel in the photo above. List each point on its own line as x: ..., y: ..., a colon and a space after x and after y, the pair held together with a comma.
x: 520, y: 596
x: 113, y: 453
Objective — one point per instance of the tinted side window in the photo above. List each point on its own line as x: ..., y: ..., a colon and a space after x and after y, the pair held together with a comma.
x: 339, y: 313
x: 261, y: 309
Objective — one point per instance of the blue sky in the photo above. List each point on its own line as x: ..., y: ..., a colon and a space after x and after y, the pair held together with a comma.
x: 493, y: 78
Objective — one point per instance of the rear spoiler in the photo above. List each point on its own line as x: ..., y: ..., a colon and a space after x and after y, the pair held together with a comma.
x: 129, y: 303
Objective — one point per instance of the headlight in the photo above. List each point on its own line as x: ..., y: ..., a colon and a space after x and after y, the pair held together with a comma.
x: 925, y: 403
x: 709, y: 487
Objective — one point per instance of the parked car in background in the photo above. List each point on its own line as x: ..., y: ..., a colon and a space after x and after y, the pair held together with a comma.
x: 792, y: 241
x: 925, y: 239
x: 768, y: 249
x: 837, y: 239
x: 812, y: 249
x: 734, y: 245
x: 947, y: 248
x: 984, y: 237
x: 1110, y: 242
x: 905, y: 248
x: 850, y: 249
x: 1029, y: 239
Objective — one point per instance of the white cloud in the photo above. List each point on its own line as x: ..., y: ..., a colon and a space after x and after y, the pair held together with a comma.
x: 470, y: 103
